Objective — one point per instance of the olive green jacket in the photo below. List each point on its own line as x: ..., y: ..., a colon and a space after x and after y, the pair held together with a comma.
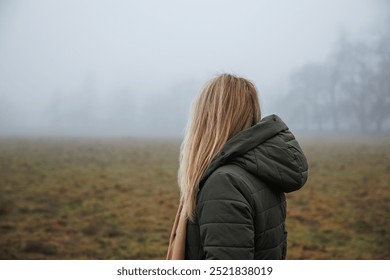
x: 241, y: 203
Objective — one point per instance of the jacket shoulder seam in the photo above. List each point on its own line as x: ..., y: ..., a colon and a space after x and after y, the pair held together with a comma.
x: 237, y: 176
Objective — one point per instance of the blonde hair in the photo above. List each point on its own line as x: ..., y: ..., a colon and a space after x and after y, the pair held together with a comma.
x: 226, y: 105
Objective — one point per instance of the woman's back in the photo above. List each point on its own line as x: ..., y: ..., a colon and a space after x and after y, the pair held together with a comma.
x: 241, y: 206
x: 234, y: 170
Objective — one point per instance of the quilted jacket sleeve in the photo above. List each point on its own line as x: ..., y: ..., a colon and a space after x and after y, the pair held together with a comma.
x: 225, y: 219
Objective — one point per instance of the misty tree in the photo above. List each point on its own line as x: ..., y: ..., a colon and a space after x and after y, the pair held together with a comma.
x: 365, y: 81
x: 120, y: 111
x: 5, y: 110
x: 296, y: 99
x: 380, y: 81
x: 170, y: 109
x: 56, y: 111
x: 336, y: 68
x: 307, y: 96
x: 352, y: 85
x: 74, y: 111
x: 84, y: 106
x: 355, y: 85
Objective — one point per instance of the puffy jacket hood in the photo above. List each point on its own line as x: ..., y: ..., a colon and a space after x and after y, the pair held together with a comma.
x: 269, y: 151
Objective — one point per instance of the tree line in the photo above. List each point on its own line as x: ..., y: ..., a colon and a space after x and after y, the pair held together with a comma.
x: 350, y: 91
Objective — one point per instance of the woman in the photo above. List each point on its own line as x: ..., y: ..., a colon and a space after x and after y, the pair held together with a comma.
x: 234, y: 172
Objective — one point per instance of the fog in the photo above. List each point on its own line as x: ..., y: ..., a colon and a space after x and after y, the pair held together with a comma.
x: 132, y: 68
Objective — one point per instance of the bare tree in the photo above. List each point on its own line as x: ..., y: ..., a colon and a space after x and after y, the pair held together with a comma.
x: 307, y: 96
x: 380, y: 81
x: 352, y: 85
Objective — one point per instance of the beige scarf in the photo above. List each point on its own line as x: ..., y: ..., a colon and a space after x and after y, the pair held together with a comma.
x: 177, y: 241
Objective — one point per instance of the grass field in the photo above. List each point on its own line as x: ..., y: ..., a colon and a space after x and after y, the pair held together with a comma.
x: 116, y: 199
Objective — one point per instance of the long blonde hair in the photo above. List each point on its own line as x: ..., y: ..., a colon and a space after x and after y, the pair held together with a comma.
x: 226, y: 105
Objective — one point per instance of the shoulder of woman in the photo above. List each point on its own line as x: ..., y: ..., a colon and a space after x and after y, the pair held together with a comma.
x: 229, y: 182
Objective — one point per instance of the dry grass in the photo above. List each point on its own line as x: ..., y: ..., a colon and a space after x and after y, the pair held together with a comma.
x: 116, y: 199
x: 344, y: 209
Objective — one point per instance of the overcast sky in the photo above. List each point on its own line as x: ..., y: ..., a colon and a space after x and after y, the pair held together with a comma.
x: 51, y: 47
